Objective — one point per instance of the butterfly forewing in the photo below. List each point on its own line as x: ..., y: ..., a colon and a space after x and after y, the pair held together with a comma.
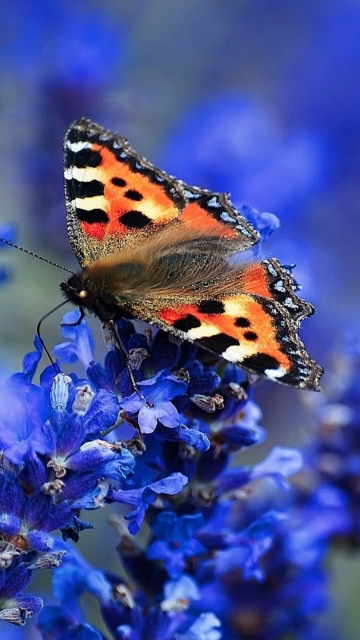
x: 116, y: 198
x: 113, y: 198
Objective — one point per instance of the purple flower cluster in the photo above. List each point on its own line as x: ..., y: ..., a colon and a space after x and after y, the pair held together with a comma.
x: 330, y: 478
x: 214, y: 536
x: 222, y: 551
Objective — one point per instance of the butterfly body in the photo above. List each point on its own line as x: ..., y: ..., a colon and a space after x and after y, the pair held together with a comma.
x: 156, y: 249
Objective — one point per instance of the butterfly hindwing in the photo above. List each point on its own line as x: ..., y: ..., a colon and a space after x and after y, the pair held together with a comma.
x: 251, y: 328
x: 270, y: 279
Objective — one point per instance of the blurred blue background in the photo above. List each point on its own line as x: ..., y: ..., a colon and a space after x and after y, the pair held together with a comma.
x: 260, y: 99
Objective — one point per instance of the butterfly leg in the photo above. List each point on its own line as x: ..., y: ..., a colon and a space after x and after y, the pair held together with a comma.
x: 78, y: 321
x: 38, y: 328
x: 122, y: 349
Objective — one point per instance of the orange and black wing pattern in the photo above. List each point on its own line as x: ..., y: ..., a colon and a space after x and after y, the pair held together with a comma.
x: 115, y: 198
x: 256, y: 328
x: 166, y: 252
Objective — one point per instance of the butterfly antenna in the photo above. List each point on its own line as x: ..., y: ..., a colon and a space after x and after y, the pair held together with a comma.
x: 35, y: 255
x: 46, y: 315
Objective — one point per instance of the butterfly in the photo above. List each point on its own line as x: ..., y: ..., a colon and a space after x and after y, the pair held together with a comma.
x: 156, y: 249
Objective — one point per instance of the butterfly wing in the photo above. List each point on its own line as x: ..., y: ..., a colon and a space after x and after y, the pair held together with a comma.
x: 251, y: 319
x: 122, y: 210
x: 115, y: 198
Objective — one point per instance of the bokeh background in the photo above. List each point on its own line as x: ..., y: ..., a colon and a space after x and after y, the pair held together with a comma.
x: 260, y: 99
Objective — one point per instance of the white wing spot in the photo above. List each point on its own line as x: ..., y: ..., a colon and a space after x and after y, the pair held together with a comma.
x: 226, y: 217
x: 204, y: 331
x: 96, y: 202
x: 85, y: 174
x: 77, y: 146
x: 235, y: 353
x: 279, y: 286
x: 271, y: 270
x: 288, y: 302
x: 273, y: 374
x: 214, y: 202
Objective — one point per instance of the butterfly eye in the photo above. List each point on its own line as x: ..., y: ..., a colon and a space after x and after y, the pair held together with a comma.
x: 83, y: 294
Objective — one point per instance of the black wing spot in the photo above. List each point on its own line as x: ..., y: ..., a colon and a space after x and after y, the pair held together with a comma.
x: 250, y: 335
x: 219, y: 342
x: 118, y: 182
x: 79, y: 189
x: 260, y: 362
x: 242, y: 322
x: 93, y: 216
x: 86, y: 158
x: 187, y: 323
x: 134, y: 219
x: 211, y: 306
x: 132, y: 194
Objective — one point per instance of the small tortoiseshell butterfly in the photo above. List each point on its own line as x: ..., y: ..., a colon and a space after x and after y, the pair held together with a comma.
x: 154, y: 248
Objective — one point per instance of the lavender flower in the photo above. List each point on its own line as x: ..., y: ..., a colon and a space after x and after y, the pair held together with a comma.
x: 155, y: 405
x: 15, y: 606
x: 175, y: 540
x: 225, y: 554
x: 57, y: 462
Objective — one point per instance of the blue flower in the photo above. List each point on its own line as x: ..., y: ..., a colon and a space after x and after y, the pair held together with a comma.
x: 180, y: 589
x: 81, y: 342
x: 87, y: 471
x: 21, y: 433
x: 125, y: 616
x: 206, y: 627
x: 279, y: 464
x: 55, y: 624
x: 30, y: 363
x: 45, y: 454
x: 264, y: 222
x: 155, y: 405
x: 246, y: 549
x: 332, y: 456
x: 175, y: 540
x: 143, y: 497
x: 194, y: 437
x: 15, y: 606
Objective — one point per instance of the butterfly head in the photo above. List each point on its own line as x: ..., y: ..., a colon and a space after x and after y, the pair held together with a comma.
x: 84, y: 293
x: 79, y: 290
